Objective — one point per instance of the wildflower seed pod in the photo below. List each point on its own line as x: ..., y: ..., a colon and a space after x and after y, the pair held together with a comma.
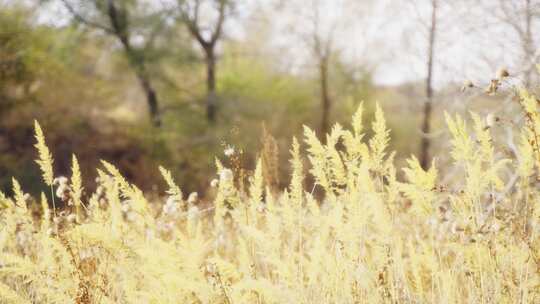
x: 193, y: 213
x: 490, y: 120
x: 63, y: 192
x: 71, y: 218
x: 27, y: 198
x: 59, y: 181
x: 170, y: 208
x: 261, y: 208
x: 100, y: 191
x: 193, y: 197
x: 466, y: 85
x: 225, y: 175
x: 102, y: 203
x: 229, y: 151
x: 85, y: 254
x: 126, y: 207
x: 502, y: 73
x: 172, y: 200
x: 493, y: 86
x: 131, y: 216
x: 211, y: 268
x: 495, y: 227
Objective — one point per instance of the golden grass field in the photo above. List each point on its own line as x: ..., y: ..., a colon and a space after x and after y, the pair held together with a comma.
x: 373, y: 238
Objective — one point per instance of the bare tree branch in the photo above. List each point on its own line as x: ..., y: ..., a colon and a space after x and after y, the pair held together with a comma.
x: 80, y: 18
x: 190, y: 16
x: 221, y: 19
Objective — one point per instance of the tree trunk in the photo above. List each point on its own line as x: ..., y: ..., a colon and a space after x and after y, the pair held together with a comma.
x: 151, y: 100
x: 211, y: 97
x: 136, y: 62
x: 426, y: 142
x: 426, y: 123
x: 144, y: 80
x: 326, y: 102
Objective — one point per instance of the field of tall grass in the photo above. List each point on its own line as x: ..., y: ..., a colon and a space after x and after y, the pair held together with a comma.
x: 373, y: 237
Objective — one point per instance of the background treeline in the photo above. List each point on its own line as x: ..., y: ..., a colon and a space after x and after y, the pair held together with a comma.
x: 140, y: 84
x: 81, y: 86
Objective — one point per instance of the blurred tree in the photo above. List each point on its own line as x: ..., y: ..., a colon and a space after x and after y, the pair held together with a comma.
x: 522, y: 17
x: 322, y: 47
x: 316, y: 26
x: 20, y: 50
x: 207, y: 35
x: 44, y: 76
x: 24, y: 56
x: 135, y: 24
x: 426, y: 119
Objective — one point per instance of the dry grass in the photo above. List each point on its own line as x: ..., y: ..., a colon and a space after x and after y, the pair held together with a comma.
x: 373, y: 239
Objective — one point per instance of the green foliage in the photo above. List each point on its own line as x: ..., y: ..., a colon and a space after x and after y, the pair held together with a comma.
x: 77, y: 82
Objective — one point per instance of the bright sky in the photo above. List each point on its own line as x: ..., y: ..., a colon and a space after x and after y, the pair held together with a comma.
x: 389, y: 36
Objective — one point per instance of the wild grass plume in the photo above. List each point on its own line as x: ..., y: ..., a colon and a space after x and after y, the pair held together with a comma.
x: 374, y: 237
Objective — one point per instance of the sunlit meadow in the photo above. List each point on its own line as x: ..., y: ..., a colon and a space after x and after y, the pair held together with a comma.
x: 371, y: 238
